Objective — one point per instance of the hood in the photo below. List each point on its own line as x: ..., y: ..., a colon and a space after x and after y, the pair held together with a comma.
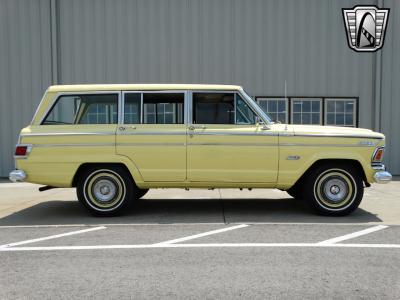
x: 334, y: 131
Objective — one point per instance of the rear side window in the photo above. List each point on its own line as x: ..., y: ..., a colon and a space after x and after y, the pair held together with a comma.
x: 84, y: 109
x: 157, y: 108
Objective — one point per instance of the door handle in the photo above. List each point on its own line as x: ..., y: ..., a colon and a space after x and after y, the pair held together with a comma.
x: 123, y: 128
x: 192, y: 127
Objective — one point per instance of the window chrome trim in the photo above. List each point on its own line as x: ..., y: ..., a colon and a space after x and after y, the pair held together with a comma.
x: 60, y: 94
x: 241, y: 93
x: 339, y: 135
x: 142, y: 92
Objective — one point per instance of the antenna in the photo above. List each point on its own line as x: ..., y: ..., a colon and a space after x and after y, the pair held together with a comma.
x: 285, y: 90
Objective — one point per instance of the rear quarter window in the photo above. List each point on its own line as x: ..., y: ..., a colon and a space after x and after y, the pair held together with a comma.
x: 83, y: 109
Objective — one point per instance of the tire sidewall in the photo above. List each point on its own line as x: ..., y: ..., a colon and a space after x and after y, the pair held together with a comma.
x: 118, y: 172
x: 352, y: 175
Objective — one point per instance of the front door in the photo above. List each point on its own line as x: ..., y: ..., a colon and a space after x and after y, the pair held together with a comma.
x: 153, y: 135
x: 225, y: 144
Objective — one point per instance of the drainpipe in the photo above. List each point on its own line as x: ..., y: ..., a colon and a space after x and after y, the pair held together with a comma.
x: 378, y: 84
x: 54, y: 41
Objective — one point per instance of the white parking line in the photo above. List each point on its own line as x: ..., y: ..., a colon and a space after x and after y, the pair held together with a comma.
x: 352, y: 235
x: 214, y: 245
x: 195, y: 236
x: 50, y: 237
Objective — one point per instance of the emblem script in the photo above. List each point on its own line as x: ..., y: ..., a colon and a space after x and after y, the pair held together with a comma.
x: 365, y: 27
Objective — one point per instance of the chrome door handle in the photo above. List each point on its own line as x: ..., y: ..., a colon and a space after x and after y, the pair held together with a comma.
x: 122, y: 128
x: 192, y: 127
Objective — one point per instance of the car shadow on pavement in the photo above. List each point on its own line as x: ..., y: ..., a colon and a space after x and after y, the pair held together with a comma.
x: 181, y: 211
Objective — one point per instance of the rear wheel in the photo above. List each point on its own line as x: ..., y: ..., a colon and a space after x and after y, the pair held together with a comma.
x: 334, y: 189
x: 105, y: 191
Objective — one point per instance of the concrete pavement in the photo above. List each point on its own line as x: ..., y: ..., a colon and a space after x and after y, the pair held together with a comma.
x: 197, y: 244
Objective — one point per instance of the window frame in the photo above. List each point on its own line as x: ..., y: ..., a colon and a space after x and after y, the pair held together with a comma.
x: 342, y: 99
x: 77, y: 94
x: 234, y: 92
x: 142, y: 92
x: 287, y: 109
x: 321, y: 110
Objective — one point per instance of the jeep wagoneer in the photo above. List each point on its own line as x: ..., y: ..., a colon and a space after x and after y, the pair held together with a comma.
x: 115, y: 142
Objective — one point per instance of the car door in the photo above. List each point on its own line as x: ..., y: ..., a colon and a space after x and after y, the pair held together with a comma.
x: 225, y: 143
x: 153, y: 134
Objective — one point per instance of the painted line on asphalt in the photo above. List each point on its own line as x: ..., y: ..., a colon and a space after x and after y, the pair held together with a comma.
x: 214, y: 245
x: 195, y: 236
x: 194, y: 224
x: 353, y: 235
x: 51, y: 237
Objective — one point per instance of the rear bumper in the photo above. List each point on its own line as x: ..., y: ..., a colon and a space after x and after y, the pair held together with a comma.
x: 17, y: 176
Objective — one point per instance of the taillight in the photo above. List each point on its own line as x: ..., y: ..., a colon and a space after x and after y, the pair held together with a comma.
x: 378, y: 154
x: 22, y: 150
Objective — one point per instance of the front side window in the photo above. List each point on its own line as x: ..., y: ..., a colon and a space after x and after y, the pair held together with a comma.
x: 244, y: 114
x: 307, y: 111
x: 84, y: 109
x: 221, y: 108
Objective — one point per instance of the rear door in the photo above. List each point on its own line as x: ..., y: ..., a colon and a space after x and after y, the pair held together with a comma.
x: 225, y: 144
x: 153, y: 134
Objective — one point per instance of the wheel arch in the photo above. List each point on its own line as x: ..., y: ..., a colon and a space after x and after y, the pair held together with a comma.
x: 357, y: 165
x: 85, y: 166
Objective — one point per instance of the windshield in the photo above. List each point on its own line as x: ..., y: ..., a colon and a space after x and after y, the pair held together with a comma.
x: 257, y: 107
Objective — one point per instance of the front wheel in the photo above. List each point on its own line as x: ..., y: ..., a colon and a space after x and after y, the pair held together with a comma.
x: 334, y: 189
x: 105, y: 191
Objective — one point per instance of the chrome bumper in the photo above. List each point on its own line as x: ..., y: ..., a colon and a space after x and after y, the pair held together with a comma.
x: 17, y: 176
x: 382, y: 177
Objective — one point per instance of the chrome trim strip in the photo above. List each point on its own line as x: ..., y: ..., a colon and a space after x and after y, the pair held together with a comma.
x: 66, y: 134
x: 235, y: 133
x: 153, y: 133
x: 339, y: 135
x: 235, y: 144
x: 74, y: 145
x: 379, y: 167
x: 321, y: 145
x: 149, y: 144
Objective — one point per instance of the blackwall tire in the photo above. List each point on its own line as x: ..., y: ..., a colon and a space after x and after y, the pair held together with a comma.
x: 105, y: 191
x: 334, y: 189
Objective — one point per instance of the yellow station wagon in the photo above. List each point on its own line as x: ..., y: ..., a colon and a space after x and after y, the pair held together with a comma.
x: 115, y: 142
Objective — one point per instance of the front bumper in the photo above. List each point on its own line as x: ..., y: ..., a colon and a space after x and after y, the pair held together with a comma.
x: 17, y: 176
x: 382, y: 176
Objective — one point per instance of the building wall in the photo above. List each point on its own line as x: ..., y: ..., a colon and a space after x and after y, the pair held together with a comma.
x: 258, y: 44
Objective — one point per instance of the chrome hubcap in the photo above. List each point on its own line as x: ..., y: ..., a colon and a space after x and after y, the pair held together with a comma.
x: 335, y: 190
x: 104, y: 190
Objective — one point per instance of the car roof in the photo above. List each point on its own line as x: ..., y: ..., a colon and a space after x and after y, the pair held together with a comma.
x: 140, y: 87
